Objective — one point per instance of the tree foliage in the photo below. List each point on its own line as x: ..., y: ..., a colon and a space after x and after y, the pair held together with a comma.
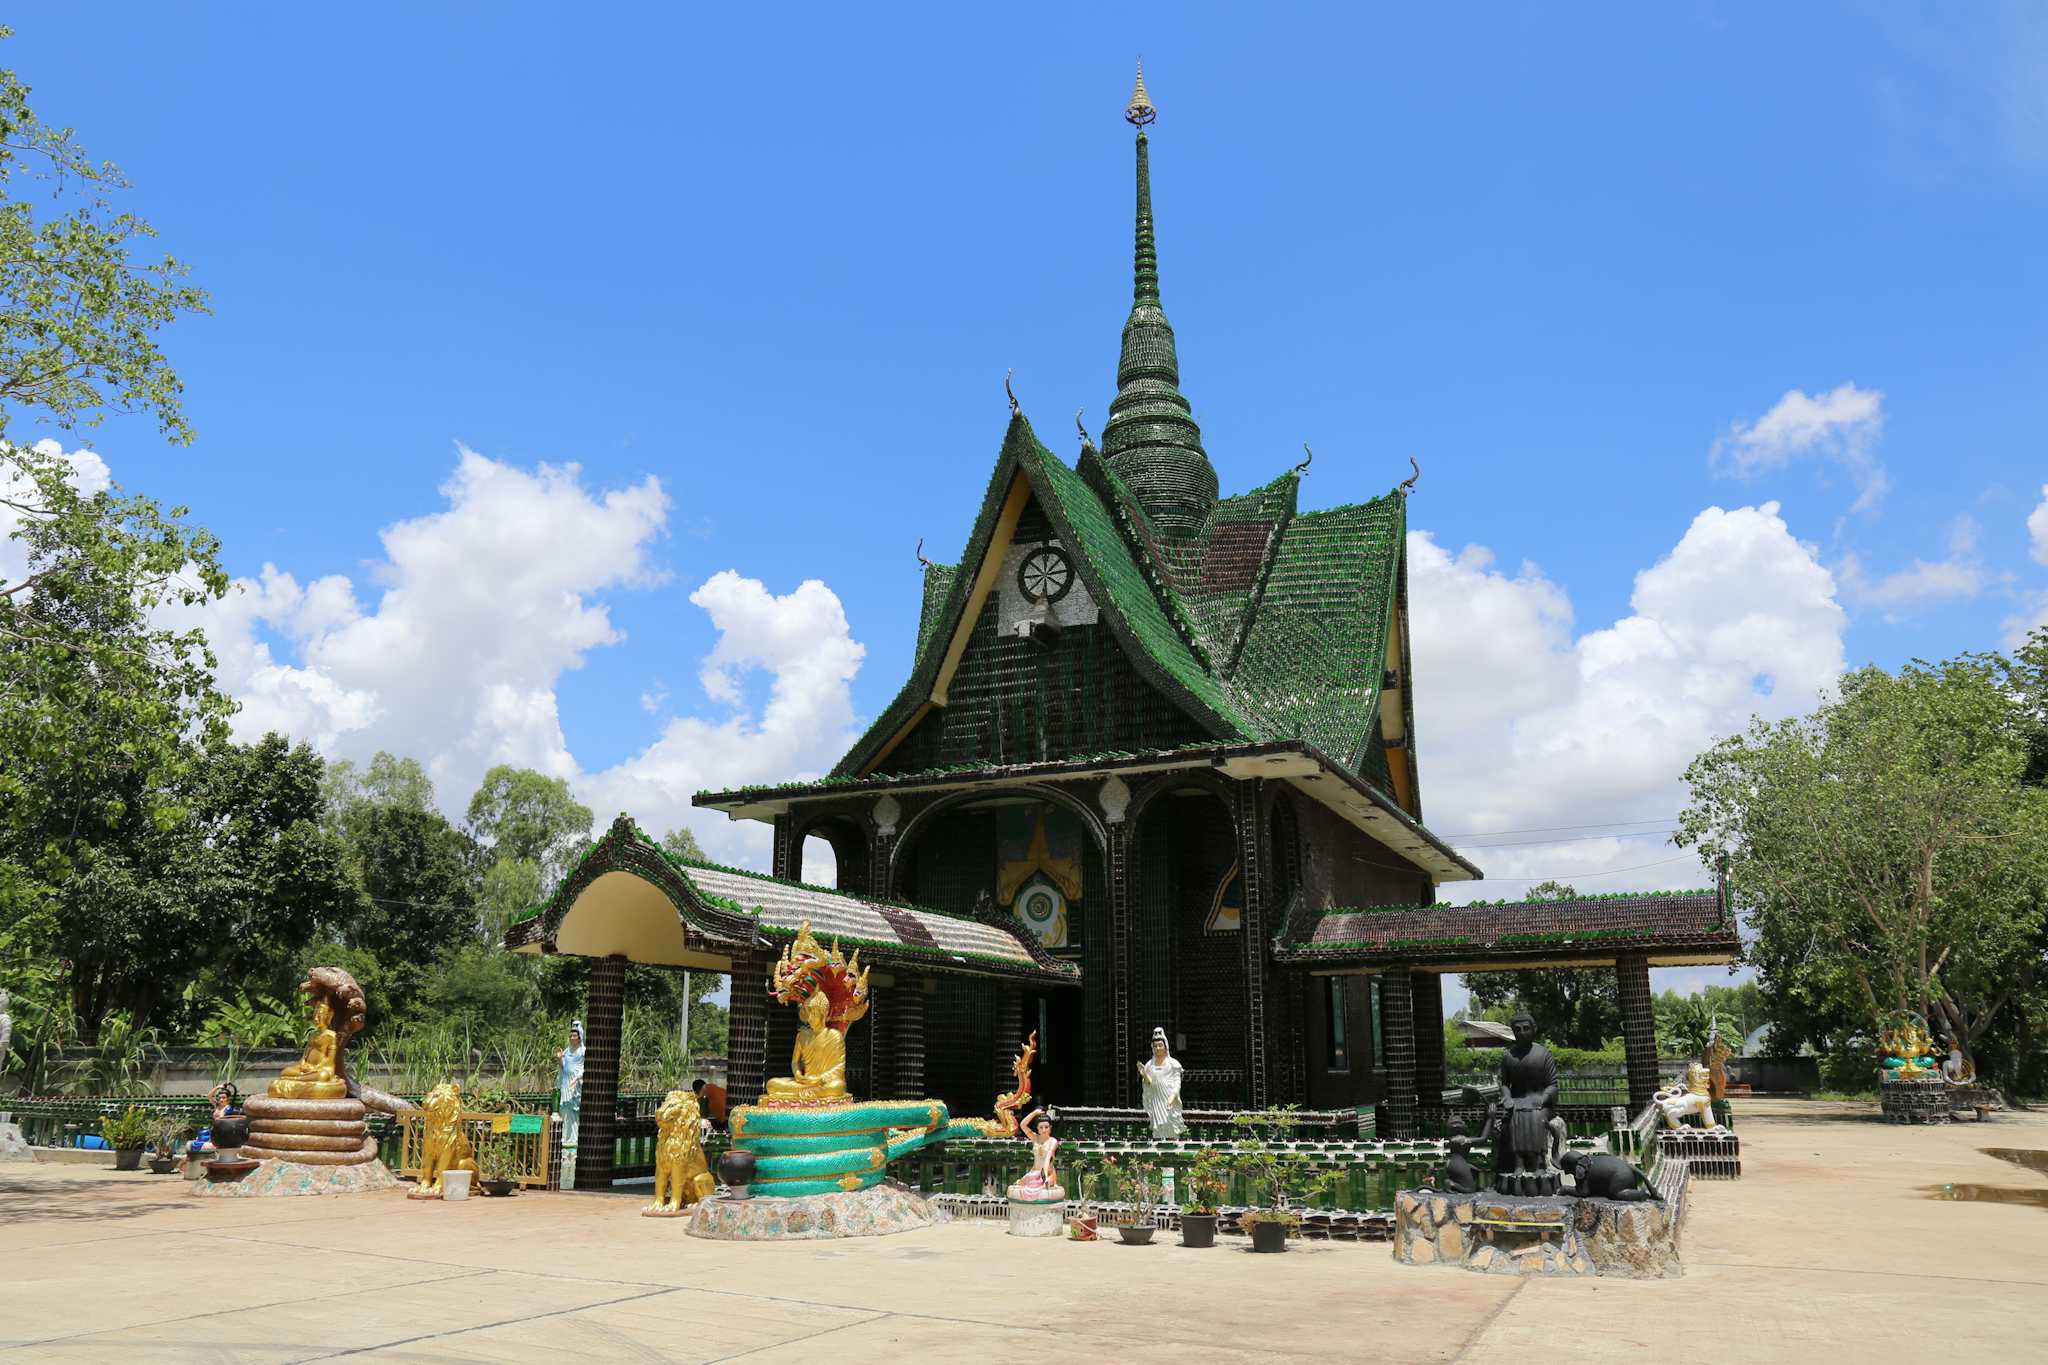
x: 1572, y: 1006
x: 1887, y: 849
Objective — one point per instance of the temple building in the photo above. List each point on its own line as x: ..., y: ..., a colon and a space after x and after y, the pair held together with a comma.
x: 1155, y: 764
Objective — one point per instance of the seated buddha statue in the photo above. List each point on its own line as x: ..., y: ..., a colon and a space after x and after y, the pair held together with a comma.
x: 818, y: 1060
x: 314, y: 1076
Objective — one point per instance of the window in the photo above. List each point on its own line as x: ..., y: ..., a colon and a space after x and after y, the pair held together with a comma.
x: 1336, y: 1024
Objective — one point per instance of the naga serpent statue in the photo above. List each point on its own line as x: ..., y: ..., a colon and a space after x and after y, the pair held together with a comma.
x: 314, y: 1111
x: 808, y: 1135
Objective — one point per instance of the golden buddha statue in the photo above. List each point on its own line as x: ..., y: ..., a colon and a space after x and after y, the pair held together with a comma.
x: 818, y: 1060
x: 317, y: 1075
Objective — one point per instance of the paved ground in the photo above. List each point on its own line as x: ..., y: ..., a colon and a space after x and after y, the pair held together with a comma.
x: 1828, y: 1241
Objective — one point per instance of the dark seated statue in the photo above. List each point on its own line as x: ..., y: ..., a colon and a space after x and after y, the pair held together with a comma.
x: 1601, y: 1175
x: 1459, y: 1176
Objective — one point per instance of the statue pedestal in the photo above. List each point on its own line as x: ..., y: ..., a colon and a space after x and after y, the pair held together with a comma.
x: 323, y: 1132
x: 874, y: 1212
x: 278, y: 1179
x: 1556, y: 1235
x: 1915, y: 1099
x: 1038, y: 1212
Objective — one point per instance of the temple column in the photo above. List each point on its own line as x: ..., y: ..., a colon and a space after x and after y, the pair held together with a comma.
x: 1397, y: 1034
x: 1115, y: 1004
x: 603, y: 1009
x: 905, y: 1021
x: 746, y: 1045
x: 1009, y: 1039
x: 1427, y: 993
x: 1638, y: 1028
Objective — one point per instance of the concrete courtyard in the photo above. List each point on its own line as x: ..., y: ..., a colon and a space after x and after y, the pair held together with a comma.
x: 1831, y: 1240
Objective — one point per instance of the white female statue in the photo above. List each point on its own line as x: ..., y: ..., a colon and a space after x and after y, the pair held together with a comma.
x: 570, y: 1082
x: 1161, y: 1075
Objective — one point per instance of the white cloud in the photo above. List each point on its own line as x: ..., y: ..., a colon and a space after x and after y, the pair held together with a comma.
x: 1960, y: 575
x: 2037, y: 528
x: 479, y: 609
x: 1841, y: 425
x: 2032, y: 615
x: 1524, y: 726
x: 88, y: 474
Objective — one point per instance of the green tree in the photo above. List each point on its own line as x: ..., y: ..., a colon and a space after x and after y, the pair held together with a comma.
x: 1572, y: 1006
x: 243, y: 878
x: 528, y: 816
x: 1886, y: 849
x: 419, y: 883
x: 683, y: 844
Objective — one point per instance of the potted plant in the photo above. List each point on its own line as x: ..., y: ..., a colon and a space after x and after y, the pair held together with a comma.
x: 167, y: 1137
x: 1134, y: 1183
x: 125, y: 1135
x: 497, y: 1169
x: 1207, y: 1180
x: 1278, y: 1178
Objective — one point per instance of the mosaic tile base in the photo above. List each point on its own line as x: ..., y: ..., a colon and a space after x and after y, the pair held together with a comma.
x: 873, y: 1212
x: 279, y: 1179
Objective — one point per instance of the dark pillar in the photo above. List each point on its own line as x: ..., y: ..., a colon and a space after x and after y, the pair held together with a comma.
x: 602, y: 1011
x: 1261, y: 1020
x: 1114, y: 1004
x: 746, y: 1043
x: 1397, y: 1033
x: 1427, y: 993
x: 1638, y: 1029
x: 905, y: 1020
x: 1009, y: 1040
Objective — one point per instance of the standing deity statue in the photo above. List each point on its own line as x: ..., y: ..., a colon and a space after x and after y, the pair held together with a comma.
x: 569, y: 1082
x: 1161, y: 1076
x: 1524, y: 1135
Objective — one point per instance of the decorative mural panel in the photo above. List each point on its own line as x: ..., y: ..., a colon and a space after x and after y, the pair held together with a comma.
x: 1038, y: 869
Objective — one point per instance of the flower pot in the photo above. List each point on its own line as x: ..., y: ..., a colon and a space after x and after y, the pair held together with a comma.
x: 1269, y: 1236
x: 230, y: 1131
x: 736, y: 1171
x: 455, y: 1184
x: 127, y: 1158
x: 498, y: 1187
x: 1198, y: 1229
x: 1135, y: 1234
x: 162, y: 1165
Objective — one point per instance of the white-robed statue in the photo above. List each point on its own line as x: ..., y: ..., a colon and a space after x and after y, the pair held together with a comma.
x: 570, y: 1082
x: 1161, y: 1075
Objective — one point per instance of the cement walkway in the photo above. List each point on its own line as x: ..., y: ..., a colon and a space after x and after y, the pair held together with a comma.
x: 1828, y: 1241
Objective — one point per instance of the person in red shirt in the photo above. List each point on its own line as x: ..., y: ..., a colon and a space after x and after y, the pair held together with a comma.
x: 710, y: 1101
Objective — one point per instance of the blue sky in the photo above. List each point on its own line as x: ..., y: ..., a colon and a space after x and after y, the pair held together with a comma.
x: 1572, y: 262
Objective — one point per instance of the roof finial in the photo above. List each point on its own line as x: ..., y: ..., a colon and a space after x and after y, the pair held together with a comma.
x: 1408, y: 484
x: 1078, y: 427
x: 1302, y: 468
x: 920, y: 553
x: 1140, y: 110
x: 1015, y: 411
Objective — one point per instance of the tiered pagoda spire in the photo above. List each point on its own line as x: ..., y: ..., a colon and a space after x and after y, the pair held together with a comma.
x: 1151, y: 439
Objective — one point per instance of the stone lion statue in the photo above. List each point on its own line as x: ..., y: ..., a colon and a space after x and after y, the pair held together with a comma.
x: 681, y: 1175
x: 1695, y: 1097
x: 444, y: 1145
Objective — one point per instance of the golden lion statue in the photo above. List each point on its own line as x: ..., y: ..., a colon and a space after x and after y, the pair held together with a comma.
x: 681, y: 1175
x: 444, y: 1145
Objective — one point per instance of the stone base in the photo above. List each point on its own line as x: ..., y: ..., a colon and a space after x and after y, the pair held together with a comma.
x: 1497, y: 1234
x: 1919, y: 1099
x: 1039, y: 1217
x: 873, y: 1212
x: 281, y: 1179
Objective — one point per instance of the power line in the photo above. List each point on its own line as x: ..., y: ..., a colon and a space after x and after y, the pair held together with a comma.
x: 1570, y: 839
x: 1555, y: 829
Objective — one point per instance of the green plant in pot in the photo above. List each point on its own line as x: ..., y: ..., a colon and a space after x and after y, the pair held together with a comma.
x: 1206, y: 1183
x: 126, y: 1135
x: 1135, y: 1183
x: 166, y: 1137
x: 1278, y: 1179
x: 497, y: 1166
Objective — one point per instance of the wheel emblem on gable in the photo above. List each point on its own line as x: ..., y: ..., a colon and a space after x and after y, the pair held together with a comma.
x: 1046, y: 572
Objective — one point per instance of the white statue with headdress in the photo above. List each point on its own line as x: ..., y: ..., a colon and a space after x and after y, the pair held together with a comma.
x: 1161, y: 1075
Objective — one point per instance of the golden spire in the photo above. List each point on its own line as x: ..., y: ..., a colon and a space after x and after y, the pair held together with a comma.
x: 1140, y: 110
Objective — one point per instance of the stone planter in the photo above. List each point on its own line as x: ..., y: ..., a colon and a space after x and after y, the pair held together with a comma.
x: 1198, y: 1229
x: 162, y: 1165
x: 1135, y: 1234
x: 127, y: 1158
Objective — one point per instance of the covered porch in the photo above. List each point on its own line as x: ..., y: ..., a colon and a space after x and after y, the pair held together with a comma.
x: 629, y: 901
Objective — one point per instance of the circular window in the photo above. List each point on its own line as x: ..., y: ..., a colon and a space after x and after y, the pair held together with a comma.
x: 1046, y: 572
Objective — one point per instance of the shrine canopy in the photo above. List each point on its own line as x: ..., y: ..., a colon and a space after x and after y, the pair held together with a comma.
x: 627, y: 896
x: 1666, y: 928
